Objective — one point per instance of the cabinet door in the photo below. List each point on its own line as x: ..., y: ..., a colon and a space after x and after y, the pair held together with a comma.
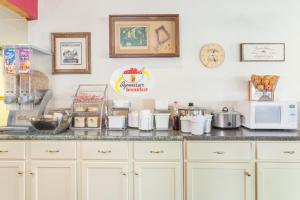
x: 53, y: 180
x: 278, y: 181
x: 159, y: 181
x: 215, y: 181
x: 102, y: 180
x: 12, y: 180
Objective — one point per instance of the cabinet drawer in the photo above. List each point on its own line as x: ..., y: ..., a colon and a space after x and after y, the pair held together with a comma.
x: 12, y: 150
x: 157, y: 150
x: 223, y: 151
x: 53, y: 150
x: 278, y: 151
x: 104, y: 150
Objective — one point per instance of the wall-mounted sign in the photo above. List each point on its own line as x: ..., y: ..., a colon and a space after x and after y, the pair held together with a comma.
x: 25, y: 8
x: 132, y: 81
x: 259, y: 52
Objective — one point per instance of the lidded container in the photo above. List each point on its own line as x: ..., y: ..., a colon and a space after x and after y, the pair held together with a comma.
x: 226, y: 119
x: 117, y: 122
x: 145, y: 120
x: 133, y: 119
x: 185, y: 124
x: 197, y: 125
x: 162, y: 121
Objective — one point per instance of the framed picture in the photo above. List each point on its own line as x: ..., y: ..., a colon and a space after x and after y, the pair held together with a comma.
x: 71, y: 53
x: 133, y: 36
x: 262, y: 52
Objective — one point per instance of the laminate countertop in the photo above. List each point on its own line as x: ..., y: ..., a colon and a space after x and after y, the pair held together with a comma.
x: 136, y: 135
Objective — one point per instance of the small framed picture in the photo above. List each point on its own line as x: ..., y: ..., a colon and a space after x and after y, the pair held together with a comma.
x: 71, y: 53
x: 262, y: 52
x: 134, y: 36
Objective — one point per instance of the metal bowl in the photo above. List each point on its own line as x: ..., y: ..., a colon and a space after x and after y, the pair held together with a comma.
x: 44, y: 122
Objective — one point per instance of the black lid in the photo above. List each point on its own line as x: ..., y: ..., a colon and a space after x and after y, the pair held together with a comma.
x: 190, y: 104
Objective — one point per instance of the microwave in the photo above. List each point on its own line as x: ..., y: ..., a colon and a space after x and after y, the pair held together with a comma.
x: 269, y: 115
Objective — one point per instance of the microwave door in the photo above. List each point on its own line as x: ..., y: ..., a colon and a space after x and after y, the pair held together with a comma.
x: 268, y: 117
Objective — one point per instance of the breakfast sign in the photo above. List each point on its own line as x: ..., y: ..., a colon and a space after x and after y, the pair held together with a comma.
x: 132, y: 81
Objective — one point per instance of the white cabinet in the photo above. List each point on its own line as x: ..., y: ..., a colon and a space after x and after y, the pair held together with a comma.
x: 124, y: 170
x: 104, y: 180
x: 215, y: 181
x: 278, y: 181
x: 53, y: 180
x: 131, y: 170
x: 278, y: 170
x: 157, y: 170
x: 219, y: 170
x: 159, y: 181
x: 12, y: 180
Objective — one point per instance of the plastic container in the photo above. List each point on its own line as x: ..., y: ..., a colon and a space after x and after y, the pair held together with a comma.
x: 92, y: 121
x: 197, y: 125
x: 117, y: 122
x: 185, y: 124
x: 146, y: 120
x: 133, y: 119
x: 162, y: 121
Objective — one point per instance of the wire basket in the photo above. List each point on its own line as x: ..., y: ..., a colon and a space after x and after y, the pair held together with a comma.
x: 89, y: 108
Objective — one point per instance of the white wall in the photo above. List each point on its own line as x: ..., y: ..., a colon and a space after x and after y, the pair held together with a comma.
x: 229, y: 23
x: 13, y: 28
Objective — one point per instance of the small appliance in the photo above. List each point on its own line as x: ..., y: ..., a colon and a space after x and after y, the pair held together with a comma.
x: 226, y: 119
x: 269, y: 115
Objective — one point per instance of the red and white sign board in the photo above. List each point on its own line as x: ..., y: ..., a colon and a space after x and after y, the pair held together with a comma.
x: 25, y: 8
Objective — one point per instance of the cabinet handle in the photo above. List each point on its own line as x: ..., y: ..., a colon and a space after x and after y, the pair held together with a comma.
x: 247, y: 173
x: 31, y: 173
x: 157, y: 152
x: 20, y: 173
x: 136, y: 173
x: 3, y: 151
x: 52, y: 151
x: 219, y: 152
x: 289, y: 152
x: 104, y: 151
x: 124, y: 173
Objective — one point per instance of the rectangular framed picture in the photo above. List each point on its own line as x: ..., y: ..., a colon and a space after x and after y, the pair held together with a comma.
x: 262, y: 52
x: 71, y: 53
x: 132, y: 36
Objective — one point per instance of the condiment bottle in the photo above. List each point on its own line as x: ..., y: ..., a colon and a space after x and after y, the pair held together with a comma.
x: 191, y: 109
x: 176, y: 117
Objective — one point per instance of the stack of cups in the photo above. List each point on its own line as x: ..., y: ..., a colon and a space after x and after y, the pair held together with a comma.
x: 207, y: 123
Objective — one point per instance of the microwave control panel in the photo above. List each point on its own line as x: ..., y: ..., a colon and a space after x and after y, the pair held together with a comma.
x: 292, y: 113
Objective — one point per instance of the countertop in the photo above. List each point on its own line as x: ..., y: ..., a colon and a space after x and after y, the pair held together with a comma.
x: 136, y: 135
x: 129, y: 134
x: 247, y: 134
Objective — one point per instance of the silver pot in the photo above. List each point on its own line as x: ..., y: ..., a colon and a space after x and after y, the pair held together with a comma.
x: 226, y: 119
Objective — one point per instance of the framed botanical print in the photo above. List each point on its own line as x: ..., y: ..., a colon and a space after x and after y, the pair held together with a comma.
x: 133, y: 36
x: 71, y: 53
x: 262, y: 52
